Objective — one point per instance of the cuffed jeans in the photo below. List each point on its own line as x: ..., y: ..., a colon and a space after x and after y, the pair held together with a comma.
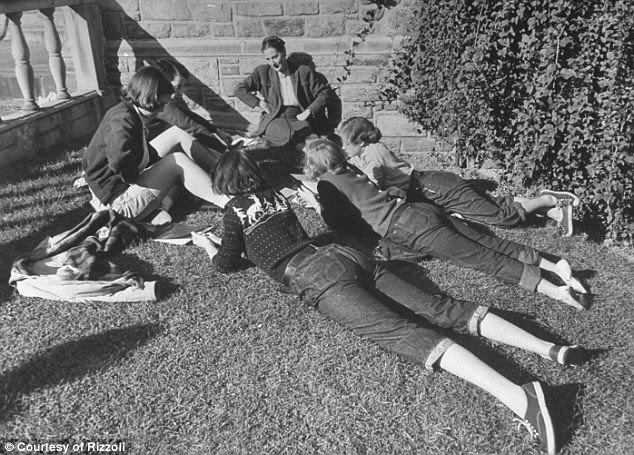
x: 356, y: 292
x: 454, y: 195
x: 423, y: 227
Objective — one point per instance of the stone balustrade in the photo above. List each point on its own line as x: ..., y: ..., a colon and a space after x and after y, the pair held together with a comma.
x: 70, y: 115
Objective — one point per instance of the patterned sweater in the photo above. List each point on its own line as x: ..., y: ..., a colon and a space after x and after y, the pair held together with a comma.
x: 263, y: 226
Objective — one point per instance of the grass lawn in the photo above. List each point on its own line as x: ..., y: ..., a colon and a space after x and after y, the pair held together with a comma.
x: 232, y: 364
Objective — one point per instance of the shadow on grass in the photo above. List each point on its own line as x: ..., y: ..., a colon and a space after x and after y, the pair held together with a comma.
x: 69, y: 361
x: 36, y: 168
x: 566, y: 410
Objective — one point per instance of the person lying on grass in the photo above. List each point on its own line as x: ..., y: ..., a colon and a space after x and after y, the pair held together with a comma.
x: 362, y: 144
x: 351, y: 203
x: 344, y: 284
x: 137, y: 178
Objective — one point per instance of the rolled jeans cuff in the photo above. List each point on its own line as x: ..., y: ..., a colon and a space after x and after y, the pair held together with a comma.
x: 474, y: 323
x: 437, y: 352
x: 531, y: 275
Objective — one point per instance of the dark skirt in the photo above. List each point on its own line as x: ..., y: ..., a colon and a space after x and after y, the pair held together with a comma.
x: 285, y: 129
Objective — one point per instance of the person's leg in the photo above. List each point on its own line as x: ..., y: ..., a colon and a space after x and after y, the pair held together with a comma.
x: 175, y: 139
x: 422, y: 227
x: 526, y: 401
x: 454, y: 195
x: 178, y: 167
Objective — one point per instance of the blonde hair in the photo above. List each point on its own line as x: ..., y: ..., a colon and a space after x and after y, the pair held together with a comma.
x: 322, y: 156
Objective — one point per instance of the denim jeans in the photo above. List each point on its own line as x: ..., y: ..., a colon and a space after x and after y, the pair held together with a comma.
x: 424, y: 227
x: 454, y: 195
x: 362, y: 295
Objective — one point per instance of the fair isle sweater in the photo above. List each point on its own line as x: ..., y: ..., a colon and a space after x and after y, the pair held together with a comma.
x: 264, y: 227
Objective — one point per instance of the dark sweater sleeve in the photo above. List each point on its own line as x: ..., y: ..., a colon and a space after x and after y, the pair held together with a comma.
x: 121, y: 144
x: 229, y: 257
x: 245, y: 89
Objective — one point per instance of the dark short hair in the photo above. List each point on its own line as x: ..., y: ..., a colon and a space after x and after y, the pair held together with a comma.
x: 236, y: 173
x: 274, y: 42
x: 145, y: 88
x: 171, y: 68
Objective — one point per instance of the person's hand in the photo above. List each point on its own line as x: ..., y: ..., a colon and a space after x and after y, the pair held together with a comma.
x: 205, y: 242
x: 265, y: 106
x: 308, y: 197
x: 304, y: 115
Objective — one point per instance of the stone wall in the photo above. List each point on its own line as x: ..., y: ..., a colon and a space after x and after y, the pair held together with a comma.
x: 219, y: 42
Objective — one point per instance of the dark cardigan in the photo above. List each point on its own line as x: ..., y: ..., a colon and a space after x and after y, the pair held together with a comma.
x: 112, y: 159
x: 311, y: 92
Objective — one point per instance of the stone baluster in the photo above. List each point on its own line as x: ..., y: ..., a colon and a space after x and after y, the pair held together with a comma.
x: 54, y: 48
x: 21, y: 56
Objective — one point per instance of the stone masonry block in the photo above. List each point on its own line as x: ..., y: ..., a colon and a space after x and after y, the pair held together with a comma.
x: 155, y: 29
x: 258, y: 9
x: 166, y: 10
x: 205, y: 70
x: 119, y: 5
x: 338, y: 7
x: 228, y: 85
x: 357, y: 110
x: 284, y: 27
x: 418, y: 144
x: 229, y: 70
x: 249, y: 28
x: 324, y: 26
x: 353, y: 27
x: 210, y: 11
x: 359, y: 93
x: 190, y: 29
x: 222, y: 30
x: 247, y: 65
x: 362, y: 75
x: 395, y: 124
x: 301, y: 8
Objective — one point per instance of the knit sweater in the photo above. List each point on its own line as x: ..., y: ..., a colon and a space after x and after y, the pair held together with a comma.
x: 264, y: 227
x: 351, y: 203
x: 113, y: 157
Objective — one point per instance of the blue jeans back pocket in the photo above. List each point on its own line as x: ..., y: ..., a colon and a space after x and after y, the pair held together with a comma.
x: 315, y: 275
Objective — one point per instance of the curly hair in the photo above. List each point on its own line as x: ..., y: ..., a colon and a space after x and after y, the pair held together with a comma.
x: 323, y: 155
x: 359, y: 130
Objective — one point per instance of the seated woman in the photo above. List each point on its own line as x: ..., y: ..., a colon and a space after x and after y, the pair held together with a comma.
x: 177, y: 113
x: 345, y: 285
x: 138, y: 179
x: 362, y: 143
x: 350, y: 202
x: 293, y: 97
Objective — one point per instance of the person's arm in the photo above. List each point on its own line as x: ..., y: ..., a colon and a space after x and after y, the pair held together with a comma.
x: 246, y: 89
x: 228, y: 257
x: 319, y: 91
x: 122, y: 143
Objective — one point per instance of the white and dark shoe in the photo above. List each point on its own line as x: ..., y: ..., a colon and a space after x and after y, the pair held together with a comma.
x: 566, y: 355
x: 537, y: 419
